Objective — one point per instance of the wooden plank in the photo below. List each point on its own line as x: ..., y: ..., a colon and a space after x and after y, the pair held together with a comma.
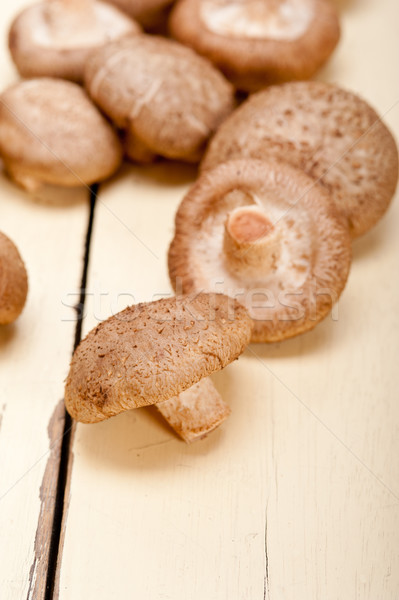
x: 50, y: 231
x: 297, y: 495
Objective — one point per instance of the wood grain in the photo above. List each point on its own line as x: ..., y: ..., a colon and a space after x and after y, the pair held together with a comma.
x: 34, y: 359
x: 49, y: 230
x: 43, y: 537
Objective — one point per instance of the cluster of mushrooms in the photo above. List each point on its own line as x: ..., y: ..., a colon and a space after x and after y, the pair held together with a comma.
x: 262, y: 245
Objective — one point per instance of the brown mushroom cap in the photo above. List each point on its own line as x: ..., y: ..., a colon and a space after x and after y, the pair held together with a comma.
x: 256, y: 43
x: 330, y: 133
x: 51, y: 132
x: 267, y: 235
x: 13, y: 281
x: 146, y: 12
x: 151, y: 352
x: 170, y: 99
x: 54, y: 38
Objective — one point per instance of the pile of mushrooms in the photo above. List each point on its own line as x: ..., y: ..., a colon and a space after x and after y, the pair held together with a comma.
x: 262, y: 245
x: 149, y: 87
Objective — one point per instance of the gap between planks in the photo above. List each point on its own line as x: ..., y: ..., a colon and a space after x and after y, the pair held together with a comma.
x: 44, y: 567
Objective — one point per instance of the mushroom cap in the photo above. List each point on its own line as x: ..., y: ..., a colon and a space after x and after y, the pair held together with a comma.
x: 309, y: 246
x: 13, y: 281
x: 256, y: 43
x: 330, y: 133
x: 169, y: 98
x: 49, y: 39
x: 146, y: 12
x: 152, y: 352
x: 51, y: 132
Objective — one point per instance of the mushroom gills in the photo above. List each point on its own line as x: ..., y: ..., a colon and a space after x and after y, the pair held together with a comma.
x: 54, y: 38
x: 275, y: 20
x: 265, y: 233
x: 257, y: 42
x: 196, y: 412
x: 68, y: 24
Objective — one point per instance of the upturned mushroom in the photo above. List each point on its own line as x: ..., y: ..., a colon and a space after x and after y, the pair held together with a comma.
x: 258, y: 42
x: 159, y: 353
x: 13, y: 281
x: 330, y: 133
x: 147, y: 12
x: 168, y: 99
x: 51, y: 132
x: 269, y: 236
x: 54, y: 37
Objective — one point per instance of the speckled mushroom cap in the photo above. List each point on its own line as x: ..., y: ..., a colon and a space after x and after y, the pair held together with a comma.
x: 258, y: 42
x: 13, y: 281
x: 267, y: 235
x: 51, y: 132
x: 54, y: 38
x: 147, y: 12
x: 170, y: 99
x: 330, y: 133
x: 151, y: 352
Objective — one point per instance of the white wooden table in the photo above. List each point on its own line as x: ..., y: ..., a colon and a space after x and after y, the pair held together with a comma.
x: 296, y: 497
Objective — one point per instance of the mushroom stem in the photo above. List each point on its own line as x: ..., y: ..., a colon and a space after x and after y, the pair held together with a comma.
x: 195, y: 412
x: 251, y: 245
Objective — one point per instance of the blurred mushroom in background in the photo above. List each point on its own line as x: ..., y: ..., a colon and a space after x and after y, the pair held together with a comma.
x: 13, y: 281
x: 169, y: 99
x: 51, y: 132
x: 54, y: 37
x: 258, y: 42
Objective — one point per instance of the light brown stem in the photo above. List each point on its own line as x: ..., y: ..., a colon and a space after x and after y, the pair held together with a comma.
x: 251, y: 243
x: 196, y: 412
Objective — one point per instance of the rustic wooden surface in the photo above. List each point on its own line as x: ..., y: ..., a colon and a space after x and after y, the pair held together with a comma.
x: 296, y: 497
x: 50, y: 231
